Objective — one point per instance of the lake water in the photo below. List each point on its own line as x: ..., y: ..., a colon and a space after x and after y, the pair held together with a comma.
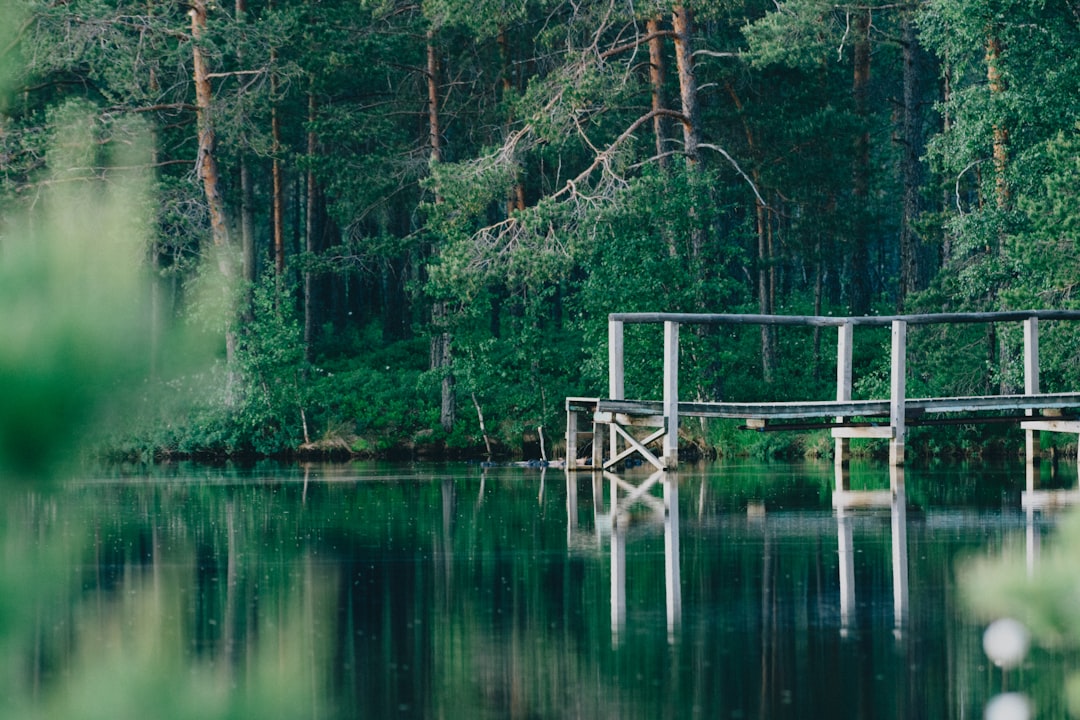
x: 727, y: 590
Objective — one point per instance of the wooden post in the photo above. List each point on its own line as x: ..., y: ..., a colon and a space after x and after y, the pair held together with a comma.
x: 671, y: 395
x: 598, y: 446
x: 842, y: 450
x: 571, y: 437
x: 616, y: 373
x: 898, y: 391
x: 1032, y: 438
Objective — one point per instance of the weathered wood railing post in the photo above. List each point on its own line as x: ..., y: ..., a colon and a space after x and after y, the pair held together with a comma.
x: 671, y: 395
x: 571, y: 438
x: 842, y: 449
x: 1032, y: 438
x: 616, y: 376
x: 898, y: 391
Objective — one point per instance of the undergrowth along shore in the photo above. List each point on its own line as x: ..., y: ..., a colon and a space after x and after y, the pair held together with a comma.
x: 717, y: 439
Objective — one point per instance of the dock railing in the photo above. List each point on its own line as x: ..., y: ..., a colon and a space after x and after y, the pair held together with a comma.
x: 616, y: 412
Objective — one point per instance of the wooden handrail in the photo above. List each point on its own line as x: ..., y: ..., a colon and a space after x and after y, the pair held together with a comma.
x: 897, y: 400
x: 833, y: 321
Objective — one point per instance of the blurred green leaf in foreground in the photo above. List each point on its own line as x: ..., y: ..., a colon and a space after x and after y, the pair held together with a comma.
x: 74, y: 347
x: 1042, y: 595
x: 73, y: 326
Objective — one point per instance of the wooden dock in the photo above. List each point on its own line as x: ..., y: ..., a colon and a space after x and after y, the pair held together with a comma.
x: 615, y: 422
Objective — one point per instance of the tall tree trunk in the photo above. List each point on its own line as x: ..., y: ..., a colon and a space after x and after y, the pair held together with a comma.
x: 311, y: 229
x: 766, y: 280
x: 516, y: 199
x: 765, y: 307
x: 434, y: 131
x: 1001, y: 133
x: 996, y: 344
x: 247, y: 203
x: 819, y: 292
x: 247, y: 223
x: 207, y: 168
x: 657, y: 73
x: 946, y: 126
x: 683, y: 27
x: 207, y: 161
x: 860, y: 250
x: 441, y: 358
x: 279, y: 192
x: 657, y: 78
x: 910, y: 149
x: 682, y: 24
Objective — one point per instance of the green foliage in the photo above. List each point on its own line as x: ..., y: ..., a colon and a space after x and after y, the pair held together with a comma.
x: 547, y: 103
x: 71, y: 333
x: 271, y: 366
x: 1043, y: 599
x: 801, y: 33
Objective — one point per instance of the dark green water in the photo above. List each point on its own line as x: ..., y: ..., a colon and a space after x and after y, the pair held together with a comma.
x: 458, y: 592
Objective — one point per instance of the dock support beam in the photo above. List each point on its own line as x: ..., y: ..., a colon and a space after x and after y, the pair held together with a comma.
x: 845, y: 337
x: 671, y: 395
x: 616, y: 373
x: 1032, y: 438
x: 571, y: 438
x: 898, y: 394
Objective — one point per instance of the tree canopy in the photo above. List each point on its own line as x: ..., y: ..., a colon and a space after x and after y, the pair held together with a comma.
x: 415, y: 216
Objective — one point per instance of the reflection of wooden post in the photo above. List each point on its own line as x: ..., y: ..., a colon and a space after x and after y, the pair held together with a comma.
x: 1032, y: 438
x: 846, y: 555
x: 571, y: 506
x: 672, y: 575
x: 616, y: 372
x: 671, y: 395
x: 897, y: 393
x: 618, y: 567
x: 1033, y: 540
x: 597, y: 496
x: 899, y: 547
x: 845, y: 335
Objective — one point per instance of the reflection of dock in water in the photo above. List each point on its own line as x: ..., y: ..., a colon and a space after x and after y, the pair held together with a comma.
x: 619, y: 503
x: 612, y: 523
x: 847, y: 502
x: 639, y: 505
x: 1035, y: 497
x: 1037, y: 500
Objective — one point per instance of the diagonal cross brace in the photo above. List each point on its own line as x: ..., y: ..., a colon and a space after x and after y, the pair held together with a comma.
x: 636, y: 446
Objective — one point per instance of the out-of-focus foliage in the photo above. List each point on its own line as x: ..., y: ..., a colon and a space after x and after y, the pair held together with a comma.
x: 1039, y: 594
x: 74, y: 350
x: 73, y: 330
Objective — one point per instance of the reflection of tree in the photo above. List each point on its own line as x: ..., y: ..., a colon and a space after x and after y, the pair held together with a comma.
x: 406, y: 597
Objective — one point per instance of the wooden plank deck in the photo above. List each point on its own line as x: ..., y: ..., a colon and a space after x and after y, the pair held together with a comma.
x: 815, y: 409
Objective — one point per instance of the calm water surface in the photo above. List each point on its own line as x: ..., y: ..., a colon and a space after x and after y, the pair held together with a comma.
x: 729, y: 590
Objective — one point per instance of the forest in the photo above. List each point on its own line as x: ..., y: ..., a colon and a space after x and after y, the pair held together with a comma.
x: 379, y: 227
